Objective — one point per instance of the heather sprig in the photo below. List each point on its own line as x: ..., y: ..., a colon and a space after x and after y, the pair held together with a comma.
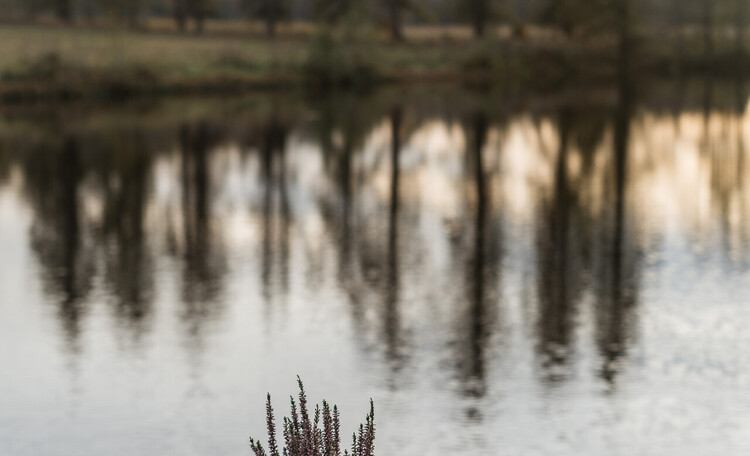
x: 304, y: 437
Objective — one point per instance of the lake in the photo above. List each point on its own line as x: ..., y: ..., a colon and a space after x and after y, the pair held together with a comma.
x: 503, y: 273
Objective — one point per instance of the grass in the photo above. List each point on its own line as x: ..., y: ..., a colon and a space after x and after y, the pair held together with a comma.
x: 38, y: 56
x: 190, y: 55
x: 97, y: 62
x: 47, y: 61
x: 168, y: 55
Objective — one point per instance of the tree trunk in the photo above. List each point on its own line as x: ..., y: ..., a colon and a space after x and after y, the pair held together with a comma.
x: 479, y: 16
x: 198, y: 10
x: 394, y: 20
x: 707, y: 28
x: 679, y: 24
x: 180, y: 14
x: 131, y: 14
x: 740, y: 11
x: 272, y: 15
x: 64, y: 10
x: 623, y: 28
x: 271, y: 27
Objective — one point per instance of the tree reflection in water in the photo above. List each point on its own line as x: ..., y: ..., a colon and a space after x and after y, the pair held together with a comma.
x: 203, y: 257
x: 53, y: 176
x: 370, y: 226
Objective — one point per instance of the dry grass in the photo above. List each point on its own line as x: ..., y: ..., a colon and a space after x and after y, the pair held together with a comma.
x: 95, y: 50
x: 57, y: 61
x: 54, y: 60
x: 424, y: 33
x: 165, y: 55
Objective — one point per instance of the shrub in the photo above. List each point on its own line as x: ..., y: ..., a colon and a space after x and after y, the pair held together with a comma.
x: 333, y: 62
x: 344, y: 54
x: 46, y: 67
x: 305, y: 437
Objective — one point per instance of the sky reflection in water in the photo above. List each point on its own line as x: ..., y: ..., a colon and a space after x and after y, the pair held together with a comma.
x: 555, y: 278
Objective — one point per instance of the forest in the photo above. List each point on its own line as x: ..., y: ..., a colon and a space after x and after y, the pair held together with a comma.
x: 571, y: 17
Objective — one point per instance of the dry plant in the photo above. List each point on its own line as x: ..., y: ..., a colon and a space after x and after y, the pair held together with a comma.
x: 305, y: 437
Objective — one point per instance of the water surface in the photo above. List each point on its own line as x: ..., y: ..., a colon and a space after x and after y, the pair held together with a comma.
x: 503, y: 274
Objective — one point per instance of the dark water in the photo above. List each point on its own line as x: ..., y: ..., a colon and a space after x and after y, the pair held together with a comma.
x: 504, y: 274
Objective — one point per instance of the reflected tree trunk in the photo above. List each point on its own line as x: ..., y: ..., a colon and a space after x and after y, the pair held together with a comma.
x: 70, y: 308
x: 273, y: 176
x: 204, y: 266
x: 741, y: 99
x: 555, y: 296
x: 195, y: 190
x: 613, y: 308
x: 130, y: 272
x: 392, y: 318
x: 478, y: 329
x: 57, y: 235
x: 708, y: 102
x: 266, y: 169
x: 286, y: 213
x: 345, y: 187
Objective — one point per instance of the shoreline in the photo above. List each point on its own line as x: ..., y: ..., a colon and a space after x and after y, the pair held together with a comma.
x: 69, y: 63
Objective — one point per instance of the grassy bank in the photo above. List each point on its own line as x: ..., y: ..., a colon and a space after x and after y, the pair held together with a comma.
x: 39, y: 62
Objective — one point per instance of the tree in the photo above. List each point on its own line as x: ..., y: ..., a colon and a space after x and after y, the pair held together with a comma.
x: 740, y: 15
x: 198, y: 9
x: 479, y: 15
x: 707, y: 19
x: 270, y: 11
x: 584, y: 18
x: 578, y: 17
x: 394, y: 19
x: 64, y: 10
x: 179, y: 12
x: 568, y: 15
x: 128, y: 11
x: 481, y: 12
x: 395, y: 10
x: 331, y: 12
x: 30, y: 9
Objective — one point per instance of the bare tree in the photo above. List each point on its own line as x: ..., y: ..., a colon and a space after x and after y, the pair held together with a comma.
x: 395, y: 20
x: 707, y: 19
x: 198, y: 10
x: 740, y: 15
x: 395, y: 10
x: 332, y: 11
x: 271, y: 12
x: 64, y: 10
x: 179, y: 11
x: 479, y: 15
